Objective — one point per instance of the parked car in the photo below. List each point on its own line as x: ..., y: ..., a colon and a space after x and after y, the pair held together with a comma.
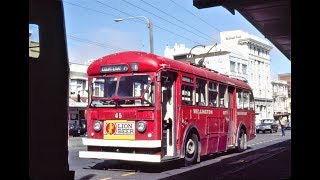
x: 76, y: 129
x: 267, y: 125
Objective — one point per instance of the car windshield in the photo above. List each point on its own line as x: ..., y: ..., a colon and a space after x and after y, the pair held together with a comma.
x: 133, y: 90
x: 266, y: 121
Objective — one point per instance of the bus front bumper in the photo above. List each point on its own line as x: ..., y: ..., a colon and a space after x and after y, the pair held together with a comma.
x: 145, y: 144
x: 120, y: 156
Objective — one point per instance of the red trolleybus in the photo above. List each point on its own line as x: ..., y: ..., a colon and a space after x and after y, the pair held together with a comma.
x: 143, y: 107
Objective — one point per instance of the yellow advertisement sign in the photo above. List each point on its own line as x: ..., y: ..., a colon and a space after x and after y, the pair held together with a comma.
x: 119, y: 129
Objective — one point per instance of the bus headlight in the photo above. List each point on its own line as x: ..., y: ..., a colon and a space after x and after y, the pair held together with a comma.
x: 97, y: 126
x: 141, y: 126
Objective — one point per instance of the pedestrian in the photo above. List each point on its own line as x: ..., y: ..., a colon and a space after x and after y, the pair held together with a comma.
x: 282, y: 122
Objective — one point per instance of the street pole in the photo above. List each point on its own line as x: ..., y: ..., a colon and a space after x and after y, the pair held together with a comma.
x: 149, y: 23
x: 150, y: 36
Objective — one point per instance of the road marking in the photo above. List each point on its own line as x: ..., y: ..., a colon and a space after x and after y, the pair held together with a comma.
x: 106, y: 178
x: 262, y: 142
x: 128, y: 174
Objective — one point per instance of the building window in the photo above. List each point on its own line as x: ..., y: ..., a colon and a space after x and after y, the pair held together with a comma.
x: 232, y: 66
x: 258, y: 52
x: 238, y: 68
x: 244, y: 69
x: 77, y: 87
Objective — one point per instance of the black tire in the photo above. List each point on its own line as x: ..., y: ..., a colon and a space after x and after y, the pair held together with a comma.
x: 191, y: 150
x: 242, y: 141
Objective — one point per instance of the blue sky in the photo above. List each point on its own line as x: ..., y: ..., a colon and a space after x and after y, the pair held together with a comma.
x: 93, y: 33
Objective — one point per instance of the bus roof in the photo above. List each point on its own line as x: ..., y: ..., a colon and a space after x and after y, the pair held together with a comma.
x: 152, y: 63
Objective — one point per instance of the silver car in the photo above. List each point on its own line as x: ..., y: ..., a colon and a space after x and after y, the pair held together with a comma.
x: 267, y: 125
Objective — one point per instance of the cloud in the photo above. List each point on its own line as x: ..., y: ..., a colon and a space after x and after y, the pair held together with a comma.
x: 103, y: 42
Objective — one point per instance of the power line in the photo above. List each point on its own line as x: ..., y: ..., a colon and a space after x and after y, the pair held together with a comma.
x: 153, y: 24
x: 175, y: 18
x: 164, y: 19
x: 128, y: 15
x: 94, y: 10
x: 177, y: 25
x: 176, y: 34
x: 89, y: 9
x: 206, y: 23
x: 95, y: 43
x: 195, y: 16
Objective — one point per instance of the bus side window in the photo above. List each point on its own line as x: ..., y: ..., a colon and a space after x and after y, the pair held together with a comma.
x: 201, y: 92
x: 187, y: 94
x: 223, y: 96
x: 239, y: 99
x: 251, y: 101
x: 245, y: 100
x: 213, y: 94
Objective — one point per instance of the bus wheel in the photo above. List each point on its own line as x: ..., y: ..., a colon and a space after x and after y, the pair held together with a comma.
x: 242, y: 141
x: 191, y: 150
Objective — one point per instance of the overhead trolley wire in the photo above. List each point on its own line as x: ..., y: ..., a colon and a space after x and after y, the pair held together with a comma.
x: 153, y: 23
x: 205, y: 23
x: 164, y: 19
x: 175, y: 18
x: 196, y: 16
x: 95, y: 43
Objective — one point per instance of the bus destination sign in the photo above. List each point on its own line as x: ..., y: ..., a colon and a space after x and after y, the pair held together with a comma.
x: 114, y: 68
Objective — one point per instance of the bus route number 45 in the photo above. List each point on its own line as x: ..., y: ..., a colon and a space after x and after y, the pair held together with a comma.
x: 118, y: 115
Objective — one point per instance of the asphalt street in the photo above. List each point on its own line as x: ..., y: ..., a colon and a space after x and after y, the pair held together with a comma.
x: 268, y: 151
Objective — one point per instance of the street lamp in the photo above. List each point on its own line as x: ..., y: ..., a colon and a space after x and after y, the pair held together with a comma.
x: 149, y: 23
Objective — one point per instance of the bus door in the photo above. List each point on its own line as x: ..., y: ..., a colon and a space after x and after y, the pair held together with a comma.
x: 168, y: 107
x: 232, y: 116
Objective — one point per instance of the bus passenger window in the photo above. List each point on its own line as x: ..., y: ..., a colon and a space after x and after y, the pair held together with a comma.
x: 187, y: 94
x: 251, y: 100
x: 201, y: 92
x: 213, y: 94
x: 245, y: 100
x: 223, y: 96
x: 239, y: 99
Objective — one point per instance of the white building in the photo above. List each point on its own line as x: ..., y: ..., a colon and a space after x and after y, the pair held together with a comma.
x: 280, y: 97
x: 78, y: 86
x: 239, y: 54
